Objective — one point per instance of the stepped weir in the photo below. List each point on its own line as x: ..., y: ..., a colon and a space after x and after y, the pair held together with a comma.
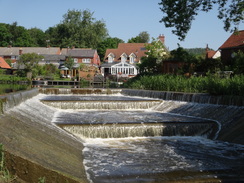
x: 100, y: 135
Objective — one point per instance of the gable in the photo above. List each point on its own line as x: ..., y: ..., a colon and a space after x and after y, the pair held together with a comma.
x: 235, y: 40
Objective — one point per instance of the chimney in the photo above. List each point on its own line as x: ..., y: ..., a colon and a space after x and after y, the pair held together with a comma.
x: 161, y: 38
x: 20, y: 51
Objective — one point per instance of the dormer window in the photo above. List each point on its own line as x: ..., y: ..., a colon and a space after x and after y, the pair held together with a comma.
x: 110, y: 58
x: 123, y: 58
x: 132, y: 58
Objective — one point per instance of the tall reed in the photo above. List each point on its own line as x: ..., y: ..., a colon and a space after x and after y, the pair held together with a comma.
x: 210, y: 84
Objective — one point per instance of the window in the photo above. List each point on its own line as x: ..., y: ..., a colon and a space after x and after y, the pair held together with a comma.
x: 13, y: 57
x: 75, y: 60
x: 123, y: 58
x: 110, y: 59
x: 132, y: 59
x: 86, y: 60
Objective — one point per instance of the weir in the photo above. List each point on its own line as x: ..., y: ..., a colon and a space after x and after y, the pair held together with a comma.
x: 170, y: 139
x: 202, y: 98
x: 124, y: 130
x: 102, y: 105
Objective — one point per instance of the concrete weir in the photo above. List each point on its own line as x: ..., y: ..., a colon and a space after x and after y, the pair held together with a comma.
x: 36, y: 148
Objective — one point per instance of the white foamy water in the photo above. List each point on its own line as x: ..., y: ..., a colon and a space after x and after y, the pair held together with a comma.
x: 135, y: 157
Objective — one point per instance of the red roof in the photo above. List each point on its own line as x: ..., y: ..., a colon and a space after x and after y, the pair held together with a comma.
x: 3, y: 64
x: 137, y: 48
x: 235, y: 40
x: 210, y: 53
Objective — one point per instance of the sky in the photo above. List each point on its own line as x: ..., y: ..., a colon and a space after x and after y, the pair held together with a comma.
x: 124, y: 19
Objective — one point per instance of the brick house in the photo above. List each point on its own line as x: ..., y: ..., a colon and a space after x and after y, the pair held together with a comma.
x: 232, y: 45
x: 86, y: 62
x: 122, y: 61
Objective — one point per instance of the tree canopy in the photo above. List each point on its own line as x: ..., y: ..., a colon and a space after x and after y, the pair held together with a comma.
x: 180, y: 13
x: 108, y: 43
x: 79, y: 29
x: 143, y: 37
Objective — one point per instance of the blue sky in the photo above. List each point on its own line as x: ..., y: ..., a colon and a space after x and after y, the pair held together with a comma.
x: 124, y: 19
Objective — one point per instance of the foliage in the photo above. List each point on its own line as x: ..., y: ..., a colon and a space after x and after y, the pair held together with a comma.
x: 197, y: 51
x: 38, y: 37
x: 8, y: 88
x: 78, y: 29
x: 181, y: 55
x: 143, y: 37
x: 5, y: 176
x: 180, y: 13
x: 210, y: 84
x: 108, y: 43
x: 153, y: 62
x: 8, y: 61
x: 69, y: 63
x: 42, y: 180
x: 29, y: 61
x: 238, y: 63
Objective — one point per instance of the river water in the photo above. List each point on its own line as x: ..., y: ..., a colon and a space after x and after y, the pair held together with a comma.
x: 175, y: 157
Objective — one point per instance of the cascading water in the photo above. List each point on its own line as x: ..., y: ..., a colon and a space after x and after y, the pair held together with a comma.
x: 134, y: 143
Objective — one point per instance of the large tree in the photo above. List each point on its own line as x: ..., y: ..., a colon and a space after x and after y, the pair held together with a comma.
x: 78, y: 29
x: 180, y: 13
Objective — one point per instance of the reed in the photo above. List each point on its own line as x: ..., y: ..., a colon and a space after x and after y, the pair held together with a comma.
x: 210, y: 84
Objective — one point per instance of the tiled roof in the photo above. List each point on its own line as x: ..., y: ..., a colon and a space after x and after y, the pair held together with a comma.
x: 137, y: 48
x: 8, y: 51
x: 235, y: 40
x: 81, y: 53
x: 54, y: 57
x: 4, y: 64
x: 210, y: 54
x: 78, y: 52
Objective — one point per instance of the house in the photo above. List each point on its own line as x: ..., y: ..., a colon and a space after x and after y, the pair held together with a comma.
x: 211, y: 54
x: 122, y: 61
x: 231, y: 46
x: 86, y: 62
x: 51, y: 54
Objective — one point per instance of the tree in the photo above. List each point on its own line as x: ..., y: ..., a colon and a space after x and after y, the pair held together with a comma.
x: 182, y: 55
x: 20, y: 35
x: 180, y: 13
x: 38, y: 37
x: 69, y: 63
x: 29, y: 61
x: 143, y: 37
x: 5, y: 35
x: 108, y: 43
x: 238, y: 65
x: 78, y: 29
x: 153, y: 62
